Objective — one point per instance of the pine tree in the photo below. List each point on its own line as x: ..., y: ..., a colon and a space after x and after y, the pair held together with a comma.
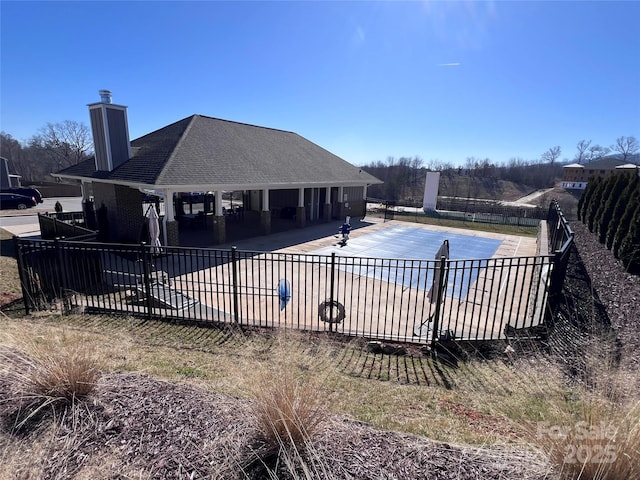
x: 607, y: 188
x: 625, y: 220
x: 584, y: 201
x: 630, y: 246
x: 594, y: 203
x: 618, y: 211
x: 605, y: 214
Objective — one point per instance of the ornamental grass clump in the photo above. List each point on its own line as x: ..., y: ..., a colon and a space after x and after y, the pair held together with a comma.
x: 64, y: 375
x: 289, y: 401
x: 599, y: 442
x: 593, y: 430
x: 288, y: 409
x: 45, y: 377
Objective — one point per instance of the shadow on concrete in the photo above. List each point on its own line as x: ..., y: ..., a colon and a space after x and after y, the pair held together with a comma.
x: 248, y: 238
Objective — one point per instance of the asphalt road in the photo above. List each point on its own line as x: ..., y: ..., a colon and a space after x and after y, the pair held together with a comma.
x: 25, y: 222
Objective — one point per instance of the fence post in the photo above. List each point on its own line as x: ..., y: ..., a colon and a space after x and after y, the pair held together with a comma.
x: 61, y: 267
x: 439, y: 295
x: 331, y: 287
x: 557, y: 274
x: 234, y: 275
x: 22, y: 274
x: 146, y: 277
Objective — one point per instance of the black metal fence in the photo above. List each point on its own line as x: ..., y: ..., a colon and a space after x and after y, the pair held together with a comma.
x: 560, y: 244
x: 466, y: 211
x: 63, y: 224
x: 406, y: 300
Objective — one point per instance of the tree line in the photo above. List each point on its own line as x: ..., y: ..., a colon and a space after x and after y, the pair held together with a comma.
x: 611, y: 209
x: 54, y: 147
x: 60, y: 145
x: 404, y: 177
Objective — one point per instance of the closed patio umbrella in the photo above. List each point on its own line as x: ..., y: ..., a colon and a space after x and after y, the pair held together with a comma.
x: 154, y: 230
x: 424, y: 329
x: 443, y: 251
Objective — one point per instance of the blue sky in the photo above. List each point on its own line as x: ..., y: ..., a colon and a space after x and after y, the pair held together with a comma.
x: 365, y: 80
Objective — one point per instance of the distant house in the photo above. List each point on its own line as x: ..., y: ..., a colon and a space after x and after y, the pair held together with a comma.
x: 576, y: 175
x: 277, y: 174
x: 7, y: 180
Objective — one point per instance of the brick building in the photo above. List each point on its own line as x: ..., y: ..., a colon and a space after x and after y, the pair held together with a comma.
x: 277, y: 173
x: 576, y: 175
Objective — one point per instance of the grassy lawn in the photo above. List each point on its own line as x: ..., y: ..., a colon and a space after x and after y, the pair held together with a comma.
x: 471, y: 404
x: 481, y: 402
x: 477, y: 226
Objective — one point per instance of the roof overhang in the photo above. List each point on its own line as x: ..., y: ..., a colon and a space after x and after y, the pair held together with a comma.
x: 218, y: 187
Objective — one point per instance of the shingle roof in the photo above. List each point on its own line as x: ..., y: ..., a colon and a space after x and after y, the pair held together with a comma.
x: 207, y: 151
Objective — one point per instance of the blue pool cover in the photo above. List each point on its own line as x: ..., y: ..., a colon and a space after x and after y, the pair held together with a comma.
x: 399, y: 242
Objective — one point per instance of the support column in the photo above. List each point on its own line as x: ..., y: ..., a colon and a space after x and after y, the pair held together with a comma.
x: 172, y: 233
x: 170, y: 230
x: 341, y: 202
x: 300, y: 211
x: 219, y: 225
x: 219, y: 229
x: 363, y: 212
x: 326, y: 214
x: 265, y: 214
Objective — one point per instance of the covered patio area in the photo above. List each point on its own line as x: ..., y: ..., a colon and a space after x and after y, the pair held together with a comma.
x: 223, y: 179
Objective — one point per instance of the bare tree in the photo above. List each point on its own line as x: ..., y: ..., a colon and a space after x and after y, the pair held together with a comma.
x: 68, y: 142
x: 416, y: 169
x: 582, y: 147
x: 626, y: 146
x: 551, y: 155
x: 597, y: 152
x: 471, y: 163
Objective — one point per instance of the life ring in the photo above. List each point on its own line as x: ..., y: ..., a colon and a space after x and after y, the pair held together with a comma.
x: 325, y: 310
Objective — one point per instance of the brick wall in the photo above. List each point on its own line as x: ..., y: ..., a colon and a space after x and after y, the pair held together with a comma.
x: 130, y: 215
x: 104, y: 196
x: 124, y: 211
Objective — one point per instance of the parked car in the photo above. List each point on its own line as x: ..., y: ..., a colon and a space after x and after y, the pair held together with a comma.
x: 20, y: 202
x: 27, y: 192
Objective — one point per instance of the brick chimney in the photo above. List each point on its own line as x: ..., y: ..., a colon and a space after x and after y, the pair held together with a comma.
x: 110, y: 132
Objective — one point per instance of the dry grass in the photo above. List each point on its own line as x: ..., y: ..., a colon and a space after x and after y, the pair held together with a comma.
x: 296, y: 381
x: 593, y: 432
x: 588, y: 426
x: 45, y: 374
x: 408, y: 394
x: 601, y: 441
x: 9, y: 284
x: 289, y: 401
x: 65, y: 376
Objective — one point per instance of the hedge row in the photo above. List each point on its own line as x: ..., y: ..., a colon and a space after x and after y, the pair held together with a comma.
x: 611, y: 209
